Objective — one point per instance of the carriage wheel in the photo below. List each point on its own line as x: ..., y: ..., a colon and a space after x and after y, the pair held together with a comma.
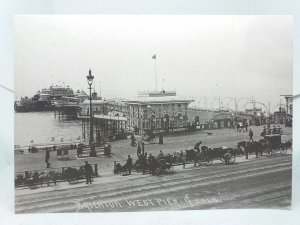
x: 208, y: 161
x: 241, y: 150
x: 200, y: 162
x: 47, y: 183
x: 73, y: 180
x: 232, y: 159
x: 268, y: 151
x: 283, y: 150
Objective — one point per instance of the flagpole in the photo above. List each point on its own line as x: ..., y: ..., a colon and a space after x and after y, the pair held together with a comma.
x: 155, y: 74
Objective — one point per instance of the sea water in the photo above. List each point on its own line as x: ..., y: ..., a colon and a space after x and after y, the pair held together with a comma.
x: 42, y: 127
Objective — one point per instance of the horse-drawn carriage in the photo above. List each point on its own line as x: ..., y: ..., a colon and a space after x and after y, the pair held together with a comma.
x: 34, y: 179
x: 192, y: 156
x: 270, y: 145
x: 160, y: 165
x: 274, y: 144
x: 206, y: 156
x: 72, y: 174
x: 155, y: 165
x: 224, y: 154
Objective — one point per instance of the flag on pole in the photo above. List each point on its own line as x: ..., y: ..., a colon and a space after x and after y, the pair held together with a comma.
x: 154, y: 56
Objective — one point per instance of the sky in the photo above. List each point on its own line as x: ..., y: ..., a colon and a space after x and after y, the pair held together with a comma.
x: 201, y: 57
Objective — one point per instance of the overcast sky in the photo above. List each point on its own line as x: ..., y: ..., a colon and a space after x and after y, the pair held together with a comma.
x: 227, y: 56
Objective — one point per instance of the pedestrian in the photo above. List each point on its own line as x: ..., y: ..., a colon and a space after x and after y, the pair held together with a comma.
x: 251, y: 135
x: 133, y: 140
x: 144, y: 162
x: 88, y: 170
x: 245, y: 125
x: 79, y: 150
x: 264, y: 132
x: 93, y: 152
x: 139, y: 149
x: 47, y: 157
x: 143, y: 147
x: 231, y: 124
x: 129, y: 164
x: 151, y: 163
x: 161, y: 139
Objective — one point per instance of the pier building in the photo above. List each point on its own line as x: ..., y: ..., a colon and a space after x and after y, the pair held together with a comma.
x: 160, y: 111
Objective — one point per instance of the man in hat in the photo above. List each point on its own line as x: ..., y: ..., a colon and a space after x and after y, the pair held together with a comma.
x: 47, y: 157
x: 88, y: 172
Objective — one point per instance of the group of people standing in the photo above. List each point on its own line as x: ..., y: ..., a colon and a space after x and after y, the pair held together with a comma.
x: 145, y: 161
x: 240, y: 125
x: 268, y: 130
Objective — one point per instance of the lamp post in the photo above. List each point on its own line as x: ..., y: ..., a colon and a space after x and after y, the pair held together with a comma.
x: 90, y: 79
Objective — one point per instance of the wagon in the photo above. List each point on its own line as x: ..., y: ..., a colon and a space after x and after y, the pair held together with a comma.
x: 207, y: 155
x: 222, y: 153
x: 274, y: 145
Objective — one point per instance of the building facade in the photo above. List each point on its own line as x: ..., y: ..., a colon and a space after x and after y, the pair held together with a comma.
x: 158, y: 111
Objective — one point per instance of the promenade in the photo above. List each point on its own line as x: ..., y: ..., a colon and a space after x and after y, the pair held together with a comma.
x: 121, y: 149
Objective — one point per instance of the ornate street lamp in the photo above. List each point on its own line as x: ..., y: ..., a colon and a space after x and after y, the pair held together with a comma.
x: 90, y: 79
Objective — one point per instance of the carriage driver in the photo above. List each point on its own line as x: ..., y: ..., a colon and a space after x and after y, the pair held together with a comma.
x: 197, y: 148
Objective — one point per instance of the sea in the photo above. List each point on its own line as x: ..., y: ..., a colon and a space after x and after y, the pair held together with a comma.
x: 41, y: 127
x: 34, y: 128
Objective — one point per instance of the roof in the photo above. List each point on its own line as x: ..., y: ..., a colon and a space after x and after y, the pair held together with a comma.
x: 97, y: 102
x: 158, y: 99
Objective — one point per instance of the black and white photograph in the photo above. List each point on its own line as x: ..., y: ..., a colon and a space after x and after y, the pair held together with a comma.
x: 130, y: 113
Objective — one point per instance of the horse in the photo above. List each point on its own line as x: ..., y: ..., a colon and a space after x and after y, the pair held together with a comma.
x: 287, y: 145
x: 252, y: 147
x: 32, y: 180
x: 45, y: 177
x: 178, y: 158
x: 160, y: 165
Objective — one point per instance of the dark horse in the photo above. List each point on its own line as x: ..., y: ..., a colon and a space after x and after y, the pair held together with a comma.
x: 256, y: 147
x: 160, y: 165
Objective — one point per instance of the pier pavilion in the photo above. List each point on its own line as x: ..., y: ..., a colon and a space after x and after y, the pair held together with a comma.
x: 160, y: 111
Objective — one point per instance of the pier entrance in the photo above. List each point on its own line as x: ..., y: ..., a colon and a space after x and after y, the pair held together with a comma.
x: 106, y: 128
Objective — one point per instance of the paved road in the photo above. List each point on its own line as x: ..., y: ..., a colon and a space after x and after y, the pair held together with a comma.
x: 259, y: 183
